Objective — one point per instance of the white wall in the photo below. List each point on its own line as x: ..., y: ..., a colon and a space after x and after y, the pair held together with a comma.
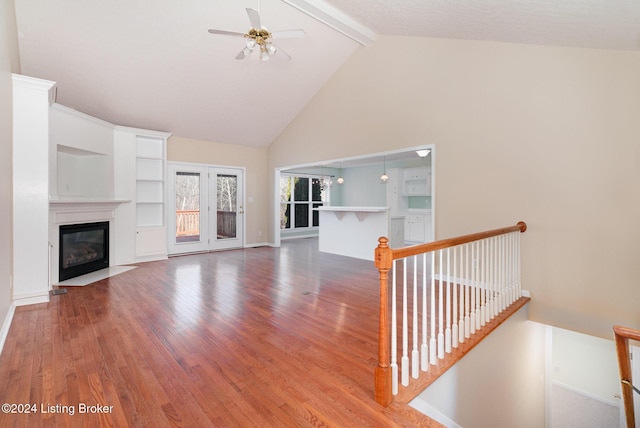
x: 499, y: 383
x: 9, y: 63
x: 586, y: 363
x: 81, y: 154
x: 362, y: 187
x: 547, y: 135
x: 585, y: 381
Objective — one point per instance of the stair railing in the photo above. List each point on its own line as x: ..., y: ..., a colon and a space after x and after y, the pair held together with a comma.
x: 443, y: 292
x: 622, y: 336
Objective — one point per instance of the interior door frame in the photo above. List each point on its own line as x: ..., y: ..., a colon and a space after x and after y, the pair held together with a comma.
x: 206, y: 209
x: 277, y: 240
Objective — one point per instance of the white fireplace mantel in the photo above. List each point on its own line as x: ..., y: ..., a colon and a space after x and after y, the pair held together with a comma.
x: 70, y: 210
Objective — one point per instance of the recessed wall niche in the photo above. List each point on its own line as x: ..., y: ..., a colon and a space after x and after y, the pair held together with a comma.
x: 82, y: 173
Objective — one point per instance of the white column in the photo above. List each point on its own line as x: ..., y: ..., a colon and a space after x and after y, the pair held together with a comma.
x: 31, y: 101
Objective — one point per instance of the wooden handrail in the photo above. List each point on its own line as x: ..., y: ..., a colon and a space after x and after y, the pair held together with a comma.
x: 384, y: 257
x: 622, y: 337
x: 399, y: 253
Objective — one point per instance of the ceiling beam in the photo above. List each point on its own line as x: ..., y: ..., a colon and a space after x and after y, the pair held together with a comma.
x: 335, y: 19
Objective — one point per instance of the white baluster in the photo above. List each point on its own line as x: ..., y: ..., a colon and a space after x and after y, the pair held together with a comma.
x: 432, y: 342
x: 478, y: 285
x: 480, y: 288
x: 424, y: 349
x: 483, y: 282
x: 518, y: 265
x: 394, y: 333
x: 440, y: 309
x: 495, y: 288
x: 467, y: 294
x: 447, y: 301
x: 456, y: 280
x: 512, y: 269
x: 415, y: 355
x: 472, y: 327
x: 463, y: 280
x: 489, y: 281
x: 503, y: 287
x: 405, y: 327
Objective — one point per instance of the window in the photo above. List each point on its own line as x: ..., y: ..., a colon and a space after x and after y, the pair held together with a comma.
x: 299, y: 195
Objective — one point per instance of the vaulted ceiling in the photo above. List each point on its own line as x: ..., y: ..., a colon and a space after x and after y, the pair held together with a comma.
x: 152, y: 63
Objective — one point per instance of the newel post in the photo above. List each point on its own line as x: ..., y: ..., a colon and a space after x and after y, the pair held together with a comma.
x: 383, y: 260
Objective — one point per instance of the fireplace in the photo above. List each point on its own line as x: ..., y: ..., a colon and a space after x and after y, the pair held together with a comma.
x: 84, y: 248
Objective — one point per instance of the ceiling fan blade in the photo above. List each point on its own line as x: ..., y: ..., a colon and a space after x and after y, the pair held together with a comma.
x: 288, y: 34
x: 227, y: 33
x: 254, y: 18
x: 280, y: 54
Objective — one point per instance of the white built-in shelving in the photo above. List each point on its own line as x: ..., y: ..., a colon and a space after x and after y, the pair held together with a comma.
x: 150, y: 181
x: 140, y: 159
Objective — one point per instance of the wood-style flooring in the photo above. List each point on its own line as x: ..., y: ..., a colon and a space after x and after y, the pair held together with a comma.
x: 261, y: 337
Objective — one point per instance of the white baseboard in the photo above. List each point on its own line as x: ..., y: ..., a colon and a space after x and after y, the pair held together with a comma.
x: 4, y: 332
x: 31, y: 298
x: 258, y: 244
x: 435, y: 414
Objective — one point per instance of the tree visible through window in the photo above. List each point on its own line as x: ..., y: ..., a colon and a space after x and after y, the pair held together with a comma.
x: 298, y: 198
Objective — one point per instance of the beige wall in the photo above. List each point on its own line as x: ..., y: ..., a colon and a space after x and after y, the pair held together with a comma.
x: 253, y: 159
x: 541, y: 134
x: 9, y: 62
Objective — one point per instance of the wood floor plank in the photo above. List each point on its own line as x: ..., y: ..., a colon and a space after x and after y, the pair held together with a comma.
x: 255, y: 337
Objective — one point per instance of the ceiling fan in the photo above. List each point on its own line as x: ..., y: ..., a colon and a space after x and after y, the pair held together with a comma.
x: 259, y: 37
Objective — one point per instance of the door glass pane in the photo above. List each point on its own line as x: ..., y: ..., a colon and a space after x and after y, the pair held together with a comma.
x: 227, y: 196
x: 187, y: 206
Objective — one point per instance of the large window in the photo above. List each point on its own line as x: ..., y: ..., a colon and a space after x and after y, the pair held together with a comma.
x: 299, y: 195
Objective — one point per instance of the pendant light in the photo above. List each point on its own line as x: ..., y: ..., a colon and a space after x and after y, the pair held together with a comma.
x: 384, y: 177
x: 340, y: 180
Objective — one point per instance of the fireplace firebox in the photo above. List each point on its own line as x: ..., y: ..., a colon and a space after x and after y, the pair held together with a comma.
x: 84, y: 248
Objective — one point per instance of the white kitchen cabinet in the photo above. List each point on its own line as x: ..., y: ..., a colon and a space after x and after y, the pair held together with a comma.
x: 417, y: 182
x: 415, y: 228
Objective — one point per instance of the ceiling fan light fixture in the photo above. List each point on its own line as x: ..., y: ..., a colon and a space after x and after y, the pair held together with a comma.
x: 264, y: 55
x: 271, y: 49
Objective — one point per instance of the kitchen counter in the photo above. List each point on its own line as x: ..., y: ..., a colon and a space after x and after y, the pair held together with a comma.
x: 352, y: 231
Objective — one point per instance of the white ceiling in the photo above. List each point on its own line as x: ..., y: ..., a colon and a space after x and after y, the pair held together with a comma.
x: 152, y: 64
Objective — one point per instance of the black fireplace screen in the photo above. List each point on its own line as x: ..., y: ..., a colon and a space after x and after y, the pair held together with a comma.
x: 84, y: 248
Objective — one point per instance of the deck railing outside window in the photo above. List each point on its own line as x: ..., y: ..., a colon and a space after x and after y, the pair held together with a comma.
x: 188, y: 224
x: 438, y: 295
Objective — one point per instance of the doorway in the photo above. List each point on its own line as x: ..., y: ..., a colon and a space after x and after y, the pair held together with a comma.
x: 206, y: 208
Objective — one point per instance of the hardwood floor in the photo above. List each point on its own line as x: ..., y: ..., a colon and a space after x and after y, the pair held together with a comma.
x: 259, y: 337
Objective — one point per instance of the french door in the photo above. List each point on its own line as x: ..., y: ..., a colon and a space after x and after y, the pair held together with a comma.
x: 207, y: 208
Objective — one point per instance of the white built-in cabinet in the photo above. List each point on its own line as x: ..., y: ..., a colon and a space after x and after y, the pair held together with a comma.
x: 416, y: 182
x: 403, y: 185
x: 141, y: 168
